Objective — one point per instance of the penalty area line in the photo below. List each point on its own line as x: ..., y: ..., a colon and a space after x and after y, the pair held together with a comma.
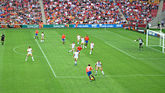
x: 112, y: 76
x: 46, y: 59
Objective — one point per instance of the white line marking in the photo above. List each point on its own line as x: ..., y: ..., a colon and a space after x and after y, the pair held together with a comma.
x: 46, y: 59
x: 109, y: 76
x: 14, y: 49
x: 128, y: 53
x: 133, y: 41
x: 121, y: 50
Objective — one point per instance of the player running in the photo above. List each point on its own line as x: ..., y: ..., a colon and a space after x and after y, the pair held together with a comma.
x: 76, y: 55
x: 42, y: 37
x: 86, y: 41
x: 29, y: 50
x: 2, y: 38
x: 78, y: 38
x: 36, y: 34
x: 63, y: 38
x: 91, y: 47
x: 79, y: 48
x: 82, y: 42
x: 140, y: 43
x: 98, y: 66
x: 73, y: 46
x: 89, y: 73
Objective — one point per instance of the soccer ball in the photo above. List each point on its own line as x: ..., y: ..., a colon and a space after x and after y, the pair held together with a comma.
x: 92, y: 78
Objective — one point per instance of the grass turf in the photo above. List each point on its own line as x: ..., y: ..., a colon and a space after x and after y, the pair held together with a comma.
x: 127, y: 70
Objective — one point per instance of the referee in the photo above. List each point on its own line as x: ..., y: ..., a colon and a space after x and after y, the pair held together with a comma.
x: 2, y: 39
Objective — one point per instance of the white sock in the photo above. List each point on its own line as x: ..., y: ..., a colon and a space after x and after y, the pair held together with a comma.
x: 75, y: 62
x: 26, y: 58
x: 70, y: 50
x: 90, y: 51
x: 32, y: 58
x: 102, y: 72
x: 77, y: 42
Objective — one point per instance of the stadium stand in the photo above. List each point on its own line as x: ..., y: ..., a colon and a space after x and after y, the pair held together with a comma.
x: 163, y: 6
x: 81, y: 12
x: 77, y: 11
x: 20, y: 12
x: 137, y: 11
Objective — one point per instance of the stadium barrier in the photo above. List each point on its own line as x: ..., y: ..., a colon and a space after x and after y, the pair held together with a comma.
x: 139, y: 28
x: 65, y: 26
x: 30, y: 26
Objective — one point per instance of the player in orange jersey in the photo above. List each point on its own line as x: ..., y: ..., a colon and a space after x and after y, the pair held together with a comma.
x: 89, y: 73
x: 86, y: 41
x: 63, y: 38
x: 79, y: 48
x: 36, y: 34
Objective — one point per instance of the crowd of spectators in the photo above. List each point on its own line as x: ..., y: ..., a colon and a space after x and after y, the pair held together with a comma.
x: 137, y: 11
x: 81, y: 12
x: 76, y: 11
x: 163, y: 9
x: 20, y: 12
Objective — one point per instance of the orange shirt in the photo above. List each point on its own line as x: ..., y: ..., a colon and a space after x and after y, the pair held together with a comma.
x: 89, y: 68
x: 86, y: 38
x: 79, y: 48
x: 63, y: 36
x: 36, y: 31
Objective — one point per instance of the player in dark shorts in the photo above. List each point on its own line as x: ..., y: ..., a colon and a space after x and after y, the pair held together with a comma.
x: 140, y: 43
x: 2, y: 39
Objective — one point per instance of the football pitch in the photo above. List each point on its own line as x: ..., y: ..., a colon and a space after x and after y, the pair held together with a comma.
x: 127, y: 70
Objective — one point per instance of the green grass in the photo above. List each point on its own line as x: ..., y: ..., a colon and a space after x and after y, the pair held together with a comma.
x: 127, y: 70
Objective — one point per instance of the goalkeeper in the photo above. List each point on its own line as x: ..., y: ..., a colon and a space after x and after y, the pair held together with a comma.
x: 140, y: 43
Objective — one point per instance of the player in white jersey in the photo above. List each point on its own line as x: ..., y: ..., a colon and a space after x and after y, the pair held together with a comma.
x: 98, y: 66
x: 73, y: 46
x: 78, y: 38
x: 82, y: 42
x: 76, y: 55
x: 42, y: 37
x: 29, y: 50
x: 91, y: 47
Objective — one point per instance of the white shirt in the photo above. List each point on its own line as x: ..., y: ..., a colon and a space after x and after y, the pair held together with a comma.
x: 98, y: 64
x: 82, y: 40
x: 73, y: 45
x: 29, y: 50
x: 92, y: 45
x: 42, y: 34
x: 78, y: 37
x: 76, y: 54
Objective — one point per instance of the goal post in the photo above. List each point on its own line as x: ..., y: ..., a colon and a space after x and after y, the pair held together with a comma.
x: 155, y: 38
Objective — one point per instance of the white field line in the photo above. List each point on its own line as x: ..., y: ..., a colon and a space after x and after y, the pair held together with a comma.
x: 133, y: 41
x: 14, y: 49
x: 46, y: 59
x: 110, y: 76
x: 128, y: 53
x: 121, y: 50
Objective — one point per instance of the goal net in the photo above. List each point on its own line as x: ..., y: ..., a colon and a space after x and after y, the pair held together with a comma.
x: 155, y: 39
